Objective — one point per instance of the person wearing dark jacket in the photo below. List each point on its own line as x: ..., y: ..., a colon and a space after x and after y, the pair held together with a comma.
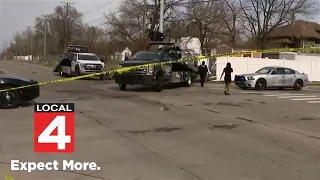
x: 203, y: 71
x: 227, y: 77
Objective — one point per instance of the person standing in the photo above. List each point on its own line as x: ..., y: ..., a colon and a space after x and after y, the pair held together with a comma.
x: 203, y: 71
x: 227, y: 77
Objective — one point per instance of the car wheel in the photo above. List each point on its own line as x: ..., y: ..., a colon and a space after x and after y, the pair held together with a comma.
x: 298, y: 85
x: 122, y: 87
x: 61, y: 72
x: 9, y: 99
x: 189, y: 81
x: 77, y: 72
x: 159, y: 83
x: 261, y: 84
x: 102, y: 77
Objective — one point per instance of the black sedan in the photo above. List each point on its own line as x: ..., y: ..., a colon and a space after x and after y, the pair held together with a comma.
x: 12, y: 98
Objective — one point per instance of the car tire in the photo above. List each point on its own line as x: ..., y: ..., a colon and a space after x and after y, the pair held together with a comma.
x: 102, y: 77
x: 158, y: 86
x: 261, y: 84
x: 298, y: 85
x: 122, y: 87
x: 77, y: 71
x: 189, y: 81
x: 61, y: 72
x: 9, y: 99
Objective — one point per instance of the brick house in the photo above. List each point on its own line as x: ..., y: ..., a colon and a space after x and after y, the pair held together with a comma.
x: 301, y: 34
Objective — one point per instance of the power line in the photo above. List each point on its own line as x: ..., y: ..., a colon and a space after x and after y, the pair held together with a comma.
x: 95, y: 20
x: 98, y: 7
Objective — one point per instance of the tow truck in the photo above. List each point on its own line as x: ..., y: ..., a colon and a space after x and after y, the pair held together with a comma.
x: 78, y: 61
x: 156, y: 76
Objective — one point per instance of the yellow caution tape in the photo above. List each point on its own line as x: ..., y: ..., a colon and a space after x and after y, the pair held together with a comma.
x: 125, y: 69
x: 7, y: 177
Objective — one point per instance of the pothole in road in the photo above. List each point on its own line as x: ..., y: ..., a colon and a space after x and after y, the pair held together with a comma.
x: 162, y: 129
x: 208, y: 103
x: 228, y: 104
x: 209, y: 110
x: 308, y: 119
x: 225, y: 126
x: 245, y: 119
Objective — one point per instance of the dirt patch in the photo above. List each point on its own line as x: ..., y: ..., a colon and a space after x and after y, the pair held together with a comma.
x: 228, y: 104
x: 245, y: 119
x: 162, y: 129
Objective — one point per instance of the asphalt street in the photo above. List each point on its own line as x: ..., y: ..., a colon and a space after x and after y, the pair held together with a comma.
x: 180, y: 133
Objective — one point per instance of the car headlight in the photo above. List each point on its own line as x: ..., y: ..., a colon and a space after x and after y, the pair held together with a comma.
x: 250, y: 78
x: 82, y: 65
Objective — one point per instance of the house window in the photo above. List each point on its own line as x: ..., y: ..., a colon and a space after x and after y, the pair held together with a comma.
x: 247, y: 55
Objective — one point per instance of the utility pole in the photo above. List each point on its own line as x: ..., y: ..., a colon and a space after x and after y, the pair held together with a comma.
x: 30, y: 43
x: 45, y: 37
x: 161, y: 15
x: 67, y: 23
x: 144, y: 18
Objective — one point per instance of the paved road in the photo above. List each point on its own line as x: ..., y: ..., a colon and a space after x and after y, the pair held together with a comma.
x: 172, y: 135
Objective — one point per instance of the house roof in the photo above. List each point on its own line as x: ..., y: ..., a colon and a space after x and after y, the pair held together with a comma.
x: 300, y: 28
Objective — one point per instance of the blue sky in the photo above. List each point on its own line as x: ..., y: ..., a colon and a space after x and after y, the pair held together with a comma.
x: 15, y: 15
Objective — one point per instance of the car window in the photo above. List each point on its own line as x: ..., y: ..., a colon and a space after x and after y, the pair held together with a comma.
x: 265, y: 70
x: 289, y: 71
x: 88, y: 57
x: 74, y: 57
x: 279, y: 71
x: 166, y: 57
x: 147, y: 56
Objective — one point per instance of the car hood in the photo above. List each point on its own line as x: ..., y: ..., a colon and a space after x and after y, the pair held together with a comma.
x: 250, y: 74
x: 89, y: 62
x: 15, y: 78
x: 136, y: 62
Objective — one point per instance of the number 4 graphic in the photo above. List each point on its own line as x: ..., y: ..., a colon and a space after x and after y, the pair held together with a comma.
x: 61, y: 139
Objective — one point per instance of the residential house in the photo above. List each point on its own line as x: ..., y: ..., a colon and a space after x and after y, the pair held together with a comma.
x: 300, y: 34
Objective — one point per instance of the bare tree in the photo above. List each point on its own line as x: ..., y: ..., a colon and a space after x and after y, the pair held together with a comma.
x: 230, y: 16
x: 259, y: 17
x: 204, y: 22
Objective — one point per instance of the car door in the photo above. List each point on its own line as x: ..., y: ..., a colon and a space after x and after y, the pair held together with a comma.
x: 278, y: 77
x: 74, y: 62
x: 289, y: 77
x: 168, y: 67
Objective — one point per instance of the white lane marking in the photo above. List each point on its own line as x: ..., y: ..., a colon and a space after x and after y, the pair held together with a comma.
x: 305, y: 99
x: 271, y: 95
x: 314, y: 102
x: 284, y: 97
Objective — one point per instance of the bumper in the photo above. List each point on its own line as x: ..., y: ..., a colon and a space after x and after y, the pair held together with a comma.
x: 90, y: 71
x: 30, y: 93
x: 245, y: 84
x: 134, y: 79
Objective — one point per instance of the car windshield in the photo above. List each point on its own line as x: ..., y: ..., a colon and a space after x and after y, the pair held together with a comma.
x: 265, y: 70
x: 146, y: 56
x: 88, y: 57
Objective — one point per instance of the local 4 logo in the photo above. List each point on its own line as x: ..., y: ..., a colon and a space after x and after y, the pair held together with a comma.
x: 54, y: 127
